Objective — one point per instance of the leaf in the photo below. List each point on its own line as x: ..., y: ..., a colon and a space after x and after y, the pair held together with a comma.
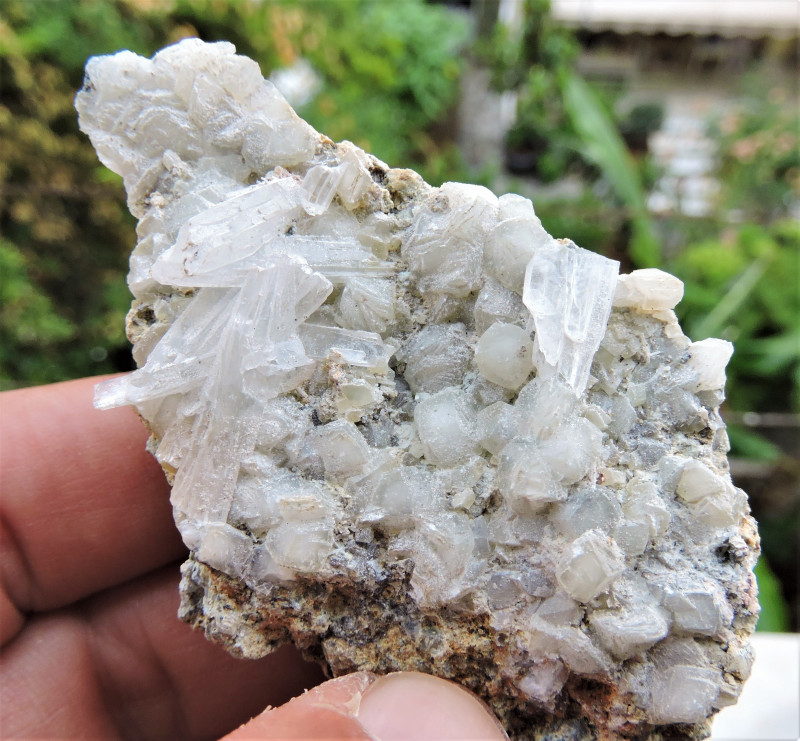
x: 774, y: 617
x: 775, y: 353
x: 732, y: 301
x: 603, y: 145
x: 748, y: 444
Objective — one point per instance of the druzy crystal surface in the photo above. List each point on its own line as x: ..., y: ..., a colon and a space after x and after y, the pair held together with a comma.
x: 409, y: 429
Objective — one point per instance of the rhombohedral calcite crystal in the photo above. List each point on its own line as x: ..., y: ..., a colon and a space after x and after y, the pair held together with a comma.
x: 409, y: 429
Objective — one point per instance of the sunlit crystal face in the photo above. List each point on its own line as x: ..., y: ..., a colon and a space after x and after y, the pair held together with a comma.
x: 355, y: 378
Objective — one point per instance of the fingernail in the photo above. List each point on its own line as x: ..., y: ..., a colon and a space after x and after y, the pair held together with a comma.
x: 326, y: 711
x: 410, y: 706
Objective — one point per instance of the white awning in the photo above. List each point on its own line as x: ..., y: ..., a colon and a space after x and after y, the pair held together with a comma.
x: 751, y: 18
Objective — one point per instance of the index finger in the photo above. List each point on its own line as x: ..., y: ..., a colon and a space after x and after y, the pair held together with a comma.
x: 83, y: 506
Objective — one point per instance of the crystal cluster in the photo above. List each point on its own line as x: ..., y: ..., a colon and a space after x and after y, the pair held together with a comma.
x: 409, y: 429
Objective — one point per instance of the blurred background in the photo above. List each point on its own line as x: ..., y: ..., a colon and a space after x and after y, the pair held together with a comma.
x: 661, y: 134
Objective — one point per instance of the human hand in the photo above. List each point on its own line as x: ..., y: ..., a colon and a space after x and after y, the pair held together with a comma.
x: 91, y: 644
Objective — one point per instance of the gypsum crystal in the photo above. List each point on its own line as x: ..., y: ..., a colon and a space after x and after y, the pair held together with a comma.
x: 408, y: 429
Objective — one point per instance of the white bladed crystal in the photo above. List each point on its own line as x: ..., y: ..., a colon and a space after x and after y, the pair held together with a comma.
x: 569, y: 292
x: 352, y: 346
x: 246, y: 223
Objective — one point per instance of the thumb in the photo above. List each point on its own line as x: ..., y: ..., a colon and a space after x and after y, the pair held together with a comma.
x: 406, y: 706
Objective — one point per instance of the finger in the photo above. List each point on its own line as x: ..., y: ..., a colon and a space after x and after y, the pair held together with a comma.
x: 407, y: 706
x: 82, y: 504
x: 326, y: 712
x: 121, y: 665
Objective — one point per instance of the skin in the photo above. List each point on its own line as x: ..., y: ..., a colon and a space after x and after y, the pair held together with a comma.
x: 91, y: 644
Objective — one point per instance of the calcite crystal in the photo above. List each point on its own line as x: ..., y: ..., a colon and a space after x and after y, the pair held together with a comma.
x: 409, y: 429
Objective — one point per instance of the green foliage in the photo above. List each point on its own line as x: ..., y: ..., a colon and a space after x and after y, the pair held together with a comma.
x: 642, y: 119
x: 66, y: 232
x: 639, y: 123
x: 748, y: 444
x: 759, y: 163
x: 28, y: 320
x: 774, y: 617
x: 539, y: 44
x: 64, y: 32
x: 587, y: 220
x: 531, y: 60
x: 743, y: 283
x: 743, y: 287
x: 414, y: 61
x: 602, y: 144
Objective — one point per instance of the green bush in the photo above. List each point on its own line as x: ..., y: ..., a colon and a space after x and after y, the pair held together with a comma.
x: 742, y: 286
x: 759, y: 154
x: 66, y: 231
x: 743, y: 280
x: 532, y: 60
x: 641, y: 121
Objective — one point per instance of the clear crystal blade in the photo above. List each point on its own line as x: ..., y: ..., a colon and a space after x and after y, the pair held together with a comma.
x: 569, y: 292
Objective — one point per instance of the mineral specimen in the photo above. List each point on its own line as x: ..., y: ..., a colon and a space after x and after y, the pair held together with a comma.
x: 409, y: 429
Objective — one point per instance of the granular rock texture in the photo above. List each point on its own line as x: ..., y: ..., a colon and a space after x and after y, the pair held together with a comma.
x: 409, y: 429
